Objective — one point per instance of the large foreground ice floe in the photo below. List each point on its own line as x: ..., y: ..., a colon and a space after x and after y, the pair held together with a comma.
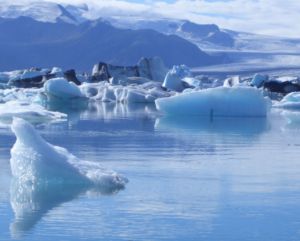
x: 221, y: 101
x: 36, y: 161
x: 45, y: 176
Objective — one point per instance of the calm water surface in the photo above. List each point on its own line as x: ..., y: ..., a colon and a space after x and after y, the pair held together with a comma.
x: 189, y: 179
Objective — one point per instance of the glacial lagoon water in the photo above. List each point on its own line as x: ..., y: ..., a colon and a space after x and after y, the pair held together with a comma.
x: 189, y: 179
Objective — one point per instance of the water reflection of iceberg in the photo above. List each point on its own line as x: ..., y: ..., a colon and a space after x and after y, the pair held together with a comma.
x: 30, y: 202
x: 108, y: 111
x: 241, y: 126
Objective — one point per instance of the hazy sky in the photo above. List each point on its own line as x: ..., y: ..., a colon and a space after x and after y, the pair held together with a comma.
x: 273, y: 17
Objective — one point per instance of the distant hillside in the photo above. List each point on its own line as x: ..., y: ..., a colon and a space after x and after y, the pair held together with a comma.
x: 208, y: 37
x: 26, y: 42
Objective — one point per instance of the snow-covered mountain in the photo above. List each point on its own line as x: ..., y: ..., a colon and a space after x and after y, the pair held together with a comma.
x: 200, y: 34
x: 208, y: 37
x: 46, y: 33
x: 44, y: 12
x: 25, y: 42
x: 211, y: 37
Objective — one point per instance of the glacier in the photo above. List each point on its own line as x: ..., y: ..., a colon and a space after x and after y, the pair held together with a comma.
x: 173, y: 80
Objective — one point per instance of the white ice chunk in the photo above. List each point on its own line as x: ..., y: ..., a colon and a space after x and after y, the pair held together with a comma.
x: 34, y: 160
x: 288, y: 78
x: 290, y: 101
x: 193, y: 82
x: 258, y: 80
x: 221, y: 101
x: 232, y: 81
x: 58, y: 72
x: 31, y: 112
x: 104, y: 92
x: 152, y: 68
x: 173, y: 79
x: 61, y: 89
x: 128, y: 80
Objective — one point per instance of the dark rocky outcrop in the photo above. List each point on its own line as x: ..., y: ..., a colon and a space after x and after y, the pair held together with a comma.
x: 30, y: 78
x: 70, y: 75
x: 281, y: 87
x: 150, y: 68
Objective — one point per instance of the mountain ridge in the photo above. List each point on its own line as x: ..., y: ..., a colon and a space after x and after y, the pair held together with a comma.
x: 27, y: 42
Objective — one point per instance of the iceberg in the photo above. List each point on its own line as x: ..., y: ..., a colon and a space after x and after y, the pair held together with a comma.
x: 45, y: 176
x: 173, y: 79
x: 258, y: 80
x: 220, y: 101
x: 28, y: 78
x: 192, y: 82
x: 149, y: 68
x: 62, y: 89
x: 59, y: 93
x: 31, y: 112
x: 152, y: 68
x: 232, y: 81
x: 27, y: 95
x: 290, y: 101
x: 34, y: 160
x: 143, y: 93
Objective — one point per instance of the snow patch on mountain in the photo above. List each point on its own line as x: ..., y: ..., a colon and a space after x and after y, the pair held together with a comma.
x: 43, y: 11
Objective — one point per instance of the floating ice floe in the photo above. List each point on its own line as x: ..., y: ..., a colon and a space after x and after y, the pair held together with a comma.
x: 62, y: 89
x: 34, y: 160
x: 60, y: 92
x: 258, y: 80
x: 173, y: 79
x: 232, y: 81
x: 149, y: 68
x: 31, y: 112
x: 220, y: 101
x: 58, y: 72
x: 27, y: 95
x: 144, y: 93
x: 45, y: 176
x: 290, y: 101
x: 29, y: 78
x: 152, y: 68
x: 192, y: 82
x: 128, y: 81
